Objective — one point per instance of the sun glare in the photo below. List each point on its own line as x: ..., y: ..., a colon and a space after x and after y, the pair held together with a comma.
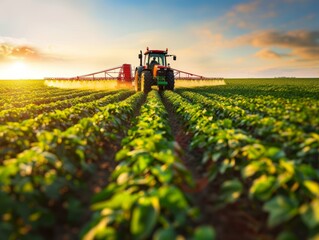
x: 18, y: 70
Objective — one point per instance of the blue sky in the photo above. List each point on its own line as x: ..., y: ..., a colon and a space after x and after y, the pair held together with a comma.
x: 253, y: 38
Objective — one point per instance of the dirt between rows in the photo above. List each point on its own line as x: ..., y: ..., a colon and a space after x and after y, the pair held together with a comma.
x: 242, y: 220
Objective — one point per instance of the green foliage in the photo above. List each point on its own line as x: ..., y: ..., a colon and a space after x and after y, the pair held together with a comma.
x: 147, y: 200
x: 45, y: 176
x: 204, y: 233
x: 261, y: 137
x: 16, y: 137
x: 281, y: 209
x: 270, y: 141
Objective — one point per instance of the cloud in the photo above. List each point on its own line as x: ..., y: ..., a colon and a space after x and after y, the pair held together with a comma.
x: 303, y: 44
x: 256, y: 14
x: 288, y: 39
x: 11, y: 52
x: 20, y: 49
x: 250, y: 15
x: 239, y: 15
x: 269, y: 54
x: 307, y: 54
x: 246, y: 7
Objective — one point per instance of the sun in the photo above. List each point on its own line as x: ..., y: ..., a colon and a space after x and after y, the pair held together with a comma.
x: 18, y: 70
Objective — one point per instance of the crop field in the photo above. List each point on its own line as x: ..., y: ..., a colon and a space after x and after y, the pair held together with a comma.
x: 236, y: 161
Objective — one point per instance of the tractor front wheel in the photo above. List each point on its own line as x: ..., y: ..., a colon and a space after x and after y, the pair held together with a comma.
x: 170, y: 81
x: 137, y: 82
x: 146, y: 81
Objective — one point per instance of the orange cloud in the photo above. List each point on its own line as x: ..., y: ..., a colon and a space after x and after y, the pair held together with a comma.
x: 298, y: 38
x: 303, y: 44
x: 10, y: 51
x: 270, y: 54
x: 25, y: 52
x: 16, y: 51
x: 307, y: 53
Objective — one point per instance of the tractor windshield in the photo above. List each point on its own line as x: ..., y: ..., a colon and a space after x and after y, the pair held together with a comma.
x: 155, y: 58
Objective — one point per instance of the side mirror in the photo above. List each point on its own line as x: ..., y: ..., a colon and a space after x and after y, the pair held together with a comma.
x: 174, y: 58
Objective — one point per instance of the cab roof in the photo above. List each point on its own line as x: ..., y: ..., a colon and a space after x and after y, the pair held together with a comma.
x: 156, y: 51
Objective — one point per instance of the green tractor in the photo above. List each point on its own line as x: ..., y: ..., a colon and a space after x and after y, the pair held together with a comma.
x: 155, y: 71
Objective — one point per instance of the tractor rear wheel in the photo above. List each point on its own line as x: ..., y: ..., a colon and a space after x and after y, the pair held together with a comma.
x: 137, y: 82
x: 146, y: 81
x: 170, y: 81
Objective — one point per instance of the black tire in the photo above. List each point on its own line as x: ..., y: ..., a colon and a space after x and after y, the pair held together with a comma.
x: 137, y: 81
x: 170, y: 81
x: 146, y: 81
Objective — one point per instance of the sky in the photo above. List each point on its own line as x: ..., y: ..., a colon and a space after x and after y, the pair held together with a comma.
x: 230, y: 39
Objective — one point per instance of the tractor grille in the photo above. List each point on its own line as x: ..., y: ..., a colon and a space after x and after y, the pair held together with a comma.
x: 161, y: 72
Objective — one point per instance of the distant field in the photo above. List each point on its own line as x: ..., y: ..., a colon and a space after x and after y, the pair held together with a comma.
x: 234, y: 161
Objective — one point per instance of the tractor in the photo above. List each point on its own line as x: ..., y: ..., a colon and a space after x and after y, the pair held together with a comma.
x: 155, y: 71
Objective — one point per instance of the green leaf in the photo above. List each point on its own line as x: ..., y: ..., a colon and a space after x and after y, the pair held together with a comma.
x: 216, y: 156
x: 286, y: 236
x: 281, y: 209
x: 275, y: 153
x: 251, y: 169
x: 230, y: 192
x: 165, y: 234
x: 263, y: 187
x: 313, y: 187
x: 204, y: 233
x: 212, y: 174
x: 96, y: 228
x: 144, y: 217
x: 227, y: 123
x: 162, y: 173
x: 254, y: 151
x: 226, y: 164
x: 121, y: 200
x: 310, y: 213
x: 173, y: 199
x: 122, y: 154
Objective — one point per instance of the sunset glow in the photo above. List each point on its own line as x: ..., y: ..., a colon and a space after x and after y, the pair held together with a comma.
x: 18, y: 70
x: 236, y: 38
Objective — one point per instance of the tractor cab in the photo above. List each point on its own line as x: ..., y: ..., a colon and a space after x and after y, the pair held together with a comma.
x: 155, y: 58
x: 155, y: 71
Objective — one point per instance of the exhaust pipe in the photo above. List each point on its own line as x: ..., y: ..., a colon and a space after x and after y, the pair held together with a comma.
x: 140, y: 57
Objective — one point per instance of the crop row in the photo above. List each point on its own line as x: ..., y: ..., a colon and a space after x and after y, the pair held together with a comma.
x: 287, y: 188
x: 144, y: 199
x: 294, y: 111
x: 295, y: 142
x: 42, y: 186
x: 15, y: 137
x: 283, y: 89
x: 33, y: 91
x: 13, y: 87
x: 31, y: 110
x: 46, y: 96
